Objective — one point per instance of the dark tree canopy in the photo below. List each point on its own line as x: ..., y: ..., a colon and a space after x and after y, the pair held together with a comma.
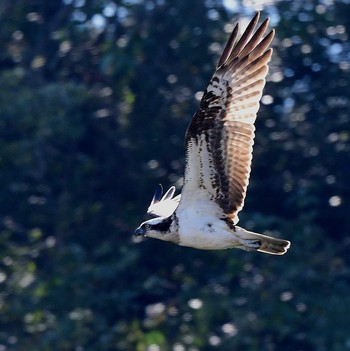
x: 95, y: 99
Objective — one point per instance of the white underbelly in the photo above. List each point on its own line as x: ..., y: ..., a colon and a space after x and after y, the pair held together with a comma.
x: 205, y: 233
x: 199, y: 223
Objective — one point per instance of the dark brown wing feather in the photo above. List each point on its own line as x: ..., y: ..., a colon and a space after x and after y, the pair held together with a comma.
x: 221, y: 133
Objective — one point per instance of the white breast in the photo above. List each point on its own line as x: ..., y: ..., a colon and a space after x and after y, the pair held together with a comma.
x: 200, y: 226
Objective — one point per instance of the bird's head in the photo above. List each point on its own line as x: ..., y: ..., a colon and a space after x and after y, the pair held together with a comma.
x: 158, y: 228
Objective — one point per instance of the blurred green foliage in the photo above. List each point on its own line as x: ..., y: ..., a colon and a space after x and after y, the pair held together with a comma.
x: 95, y: 98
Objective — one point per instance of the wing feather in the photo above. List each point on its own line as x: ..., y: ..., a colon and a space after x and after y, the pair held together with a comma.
x: 163, y: 206
x: 220, y: 137
x: 244, y: 38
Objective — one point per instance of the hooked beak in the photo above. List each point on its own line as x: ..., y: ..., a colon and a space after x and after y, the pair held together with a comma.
x: 139, y: 231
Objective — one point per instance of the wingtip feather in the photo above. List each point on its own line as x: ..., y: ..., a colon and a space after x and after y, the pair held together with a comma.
x: 157, y: 194
x: 229, y: 46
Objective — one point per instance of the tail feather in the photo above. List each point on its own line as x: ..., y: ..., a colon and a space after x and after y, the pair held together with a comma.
x: 264, y: 243
x: 273, y: 246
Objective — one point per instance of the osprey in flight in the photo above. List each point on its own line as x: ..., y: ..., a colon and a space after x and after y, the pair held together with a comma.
x: 219, y: 143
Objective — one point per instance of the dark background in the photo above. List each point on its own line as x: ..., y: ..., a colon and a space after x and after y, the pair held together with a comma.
x: 95, y: 98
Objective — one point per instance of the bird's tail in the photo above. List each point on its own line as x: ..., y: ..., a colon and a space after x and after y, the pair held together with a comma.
x: 273, y: 246
x: 264, y: 243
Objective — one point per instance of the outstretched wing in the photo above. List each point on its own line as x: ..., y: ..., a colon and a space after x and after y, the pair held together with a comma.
x: 163, y: 206
x: 220, y: 137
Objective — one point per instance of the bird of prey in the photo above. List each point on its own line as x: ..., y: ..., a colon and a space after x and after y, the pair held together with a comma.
x: 219, y: 143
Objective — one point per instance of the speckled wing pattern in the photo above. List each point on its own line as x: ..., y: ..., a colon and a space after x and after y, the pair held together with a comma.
x: 221, y: 133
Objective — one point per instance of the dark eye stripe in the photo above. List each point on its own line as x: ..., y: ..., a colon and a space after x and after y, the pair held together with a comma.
x: 163, y: 226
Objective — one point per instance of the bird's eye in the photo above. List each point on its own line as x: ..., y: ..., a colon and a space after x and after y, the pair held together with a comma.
x: 147, y: 226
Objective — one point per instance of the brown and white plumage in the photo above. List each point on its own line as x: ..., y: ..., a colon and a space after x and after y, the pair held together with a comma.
x: 226, y: 117
x: 219, y: 144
